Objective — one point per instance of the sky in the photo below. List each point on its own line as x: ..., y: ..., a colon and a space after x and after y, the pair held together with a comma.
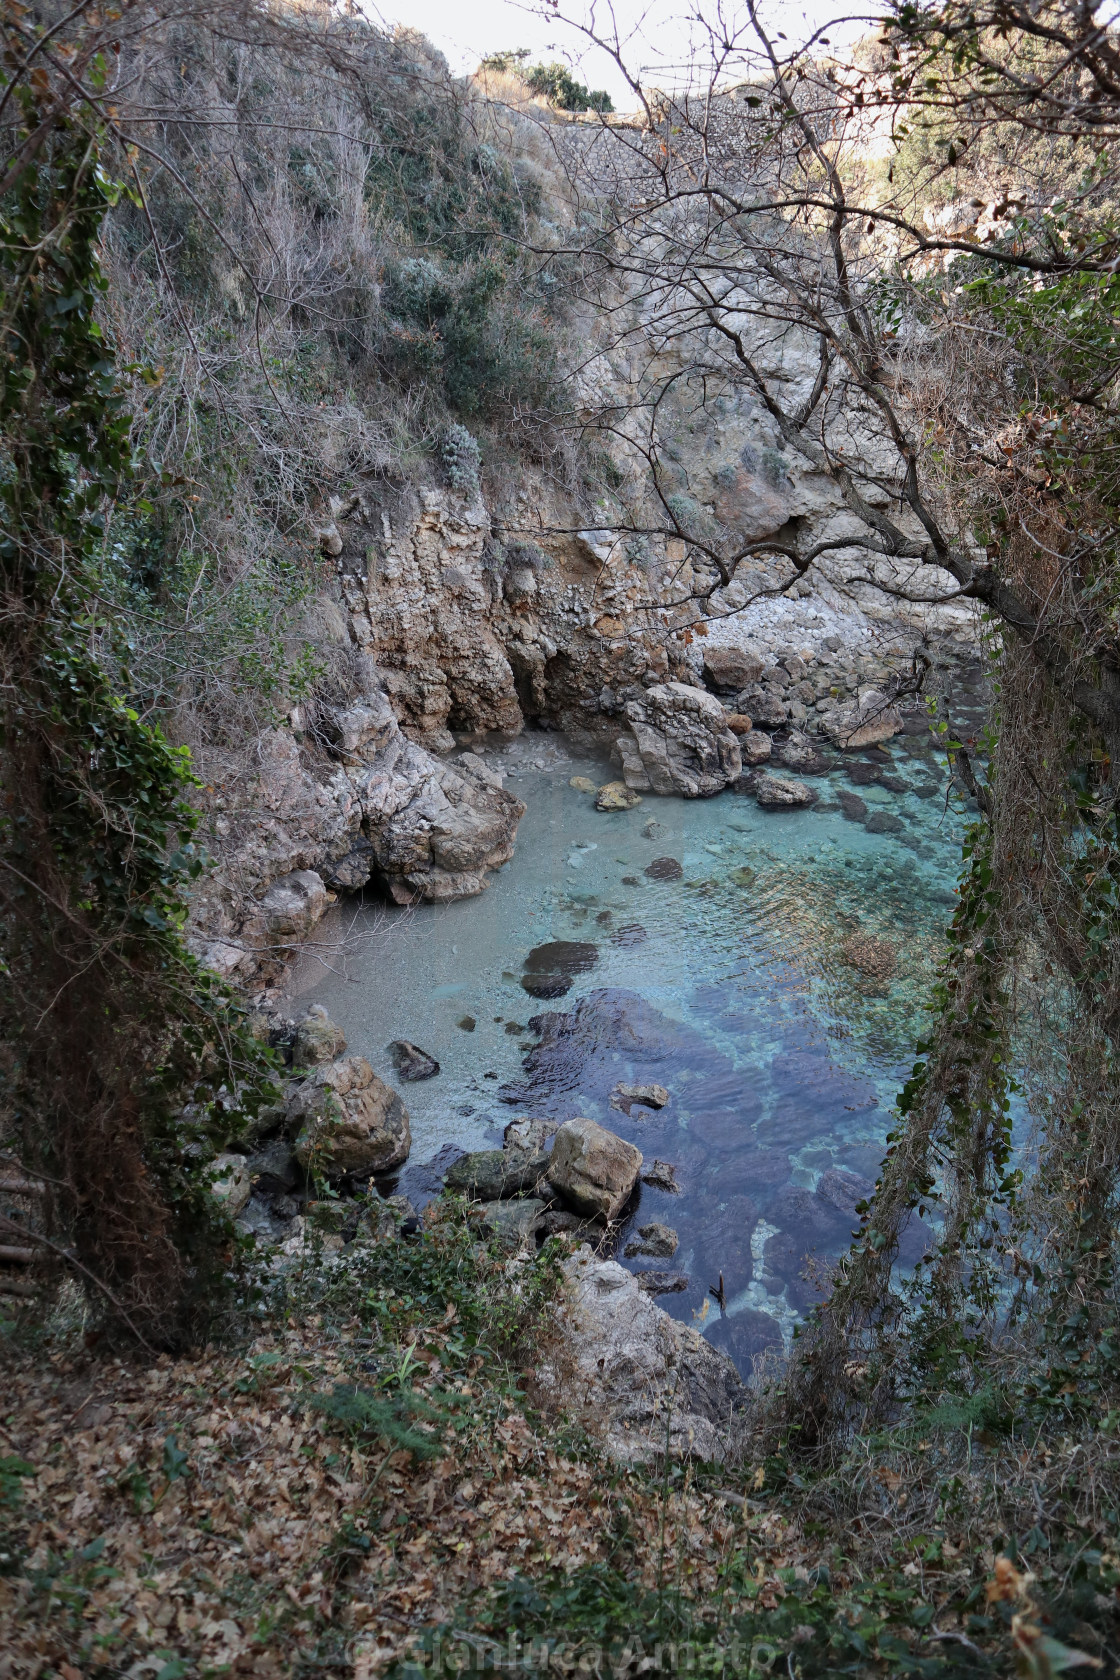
x: 661, y: 34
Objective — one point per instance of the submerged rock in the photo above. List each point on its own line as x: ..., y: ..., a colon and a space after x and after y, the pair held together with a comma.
x: 350, y: 1121
x: 637, y: 1375
x: 657, y: 1241
x: 549, y: 970
x: 593, y: 1169
x: 853, y: 807
x: 664, y: 869
x: 616, y: 796
x: 662, y: 1176
x: 411, y: 1062
x: 582, y: 784
x: 875, y: 957
x: 662, y: 1283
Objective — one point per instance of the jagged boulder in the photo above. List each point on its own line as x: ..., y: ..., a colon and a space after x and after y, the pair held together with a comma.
x: 637, y: 1374
x: 678, y: 742
x: 349, y: 1121
x: 593, y: 1169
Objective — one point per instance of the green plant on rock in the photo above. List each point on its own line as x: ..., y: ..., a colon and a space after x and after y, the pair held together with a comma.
x: 125, y: 1064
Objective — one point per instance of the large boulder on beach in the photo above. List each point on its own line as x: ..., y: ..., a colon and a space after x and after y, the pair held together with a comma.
x: 349, y: 1121
x: 678, y: 743
x: 593, y: 1169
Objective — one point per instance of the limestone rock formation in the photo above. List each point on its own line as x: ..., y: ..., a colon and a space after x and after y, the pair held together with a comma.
x: 637, y: 1374
x: 349, y: 1120
x: 592, y: 1169
x: 679, y: 742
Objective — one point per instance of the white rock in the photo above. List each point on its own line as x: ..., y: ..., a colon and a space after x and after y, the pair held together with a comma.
x: 638, y: 1375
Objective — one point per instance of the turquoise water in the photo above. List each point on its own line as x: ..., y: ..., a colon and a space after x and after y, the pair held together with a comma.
x: 775, y: 989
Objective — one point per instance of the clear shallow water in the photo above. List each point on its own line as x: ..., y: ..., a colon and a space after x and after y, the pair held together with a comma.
x: 733, y: 986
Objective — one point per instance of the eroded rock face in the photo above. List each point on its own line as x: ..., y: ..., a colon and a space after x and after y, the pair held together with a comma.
x: 679, y: 742
x: 372, y: 802
x: 349, y: 1120
x: 633, y: 1370
x: 592, y: 1169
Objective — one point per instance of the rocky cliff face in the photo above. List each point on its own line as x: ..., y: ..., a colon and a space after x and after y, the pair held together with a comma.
x: 444, y: 622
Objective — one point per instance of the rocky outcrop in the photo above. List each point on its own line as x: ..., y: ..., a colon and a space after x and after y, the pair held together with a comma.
x: 351, y: 800
x: 350, y: 1122
x: 678, y: 742
x: 638, y: 1376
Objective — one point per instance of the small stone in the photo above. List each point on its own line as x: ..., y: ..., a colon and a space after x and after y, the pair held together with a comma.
x: 651, y: 1096
x: 656, y: 1241
x: 272, y: 1167
x: 350, y: 1121
x: 629, y: 935
x: 653, y: 830
x: 882, y: 822
x: 743, y: 877
x: 664, y: 869
x: 528, y: 1136
x: 582, y: 784
x: 467, y: 1022
x: 739, y: 723
x: 593, y: 1169
x: 662, y: 1283
x: 755, y: 748
x: 616, y: 796
x: 731, y: 668
x: 411, y: 1062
